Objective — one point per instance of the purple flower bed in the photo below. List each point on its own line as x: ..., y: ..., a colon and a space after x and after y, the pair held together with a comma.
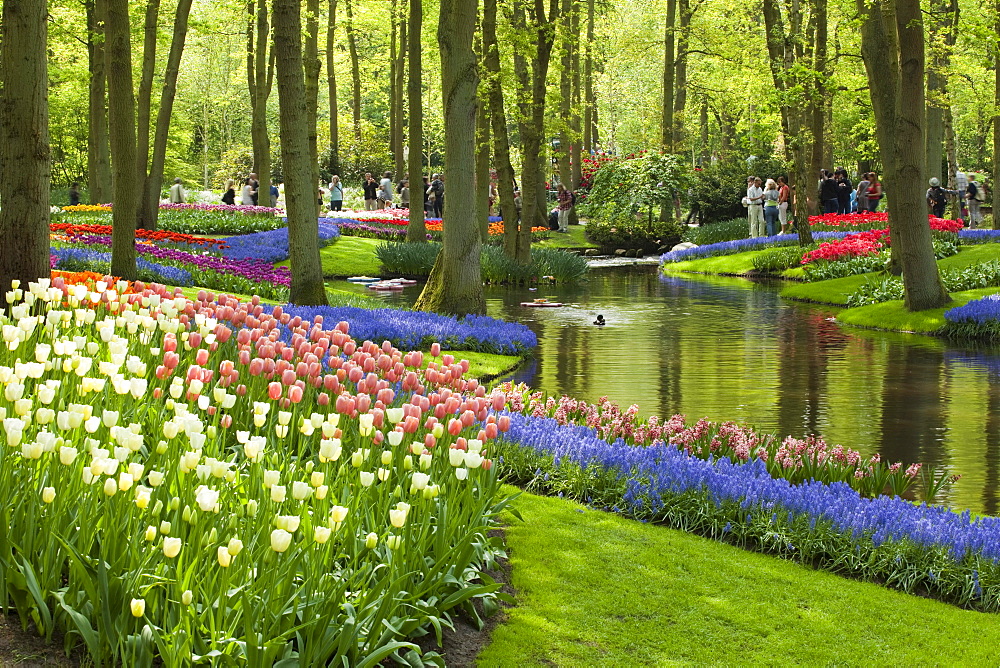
x: 256, y: 271
x: 416, y: 330
x: 271, y: 246
x: 977, y: 236
x: 77, y: 259
x: 910, y: 546
x: 742, y: 245
x: 220, y: 208
x: 976, y: 311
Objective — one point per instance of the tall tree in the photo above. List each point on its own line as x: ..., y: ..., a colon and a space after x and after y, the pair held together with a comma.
x: 352, y: 47
x: 395, y: 127
x: 152, y: 180
x: 892, y: 45
x: 942, y: 35
x: 24, y: 152
x: 121, y: 114
x: 455, y: 284
x: 576, y: 166
x: 416, y: 230
x: 331, y: 81
x: 310, y: 56
x: 501, y: 142
x: 680, y: 68
x: 260, y: 78
x: 589, y: 101
x: 667, y: 115
x: 817, y: 106
x: 567, y: 44
x: 303, y: 232
x: 397, y: 90
x: 144, y: 98
x: 98, y: 148
x: 996, y: 112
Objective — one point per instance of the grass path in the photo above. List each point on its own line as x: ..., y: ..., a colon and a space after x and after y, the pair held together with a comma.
x: 348, y: 256
x: 596, y: 589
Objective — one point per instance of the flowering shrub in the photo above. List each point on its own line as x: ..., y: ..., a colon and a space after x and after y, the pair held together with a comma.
x: 171, y: 487
x: 949, y: 555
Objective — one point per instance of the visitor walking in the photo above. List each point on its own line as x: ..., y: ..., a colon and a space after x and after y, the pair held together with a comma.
x: 518, y: 203
x: 336, y: 194
x: 385, y: 185
x: 255, y: 188
x: 755, y: 206
x: 74, y: 193
x: 828, y: 192
x: 771, y: 207
x: 784, y: 199
x: 427, y: 196
x: 975, y: 195
x: 370, y: 186
x: 229, y: 197
x: 274, y: 194
x: 937, y: 197
x: 565, y: 199
x: 844, y: 190
x: 874, y: 192
x: 861, y: 193
x: 177, y: 192
x: 246, y: 193
x: 437, y: 190
x: 404, y: 194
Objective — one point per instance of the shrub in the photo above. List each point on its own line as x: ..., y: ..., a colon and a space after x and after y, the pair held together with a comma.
x: 724, y: 230
x: 718, y: 188
x: 408, y: 259
x: 648, y: 236
x: 637, y: 186
x: 564, y: 267
x: 779, y: 259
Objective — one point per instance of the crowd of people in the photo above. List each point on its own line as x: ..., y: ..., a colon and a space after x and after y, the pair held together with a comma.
x: 768, y: 202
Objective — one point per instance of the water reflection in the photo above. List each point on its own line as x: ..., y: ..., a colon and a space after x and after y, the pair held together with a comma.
x: 731, y: 349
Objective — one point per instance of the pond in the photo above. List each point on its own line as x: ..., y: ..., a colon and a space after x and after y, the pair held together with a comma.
x: 732, y: 349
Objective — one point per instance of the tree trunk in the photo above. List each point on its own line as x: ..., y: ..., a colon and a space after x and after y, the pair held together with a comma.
x: 943, y: 34
x: 534, y: 206
x: 565, y: 92
x: 260, y: 61
x: 398, y: 88
x: 817, y: 110
x: 589, y: 102
x: 352, y: 47
x: 24, y: 152
x: 680, y: 73
x: 498, y: 120
x: 121, y: 114
x: 395, y: 141
x: 455, y: 284
x: 300, y: 190
x: 706, y: 154
x: 996, y: 118
x: 311, y: 67
x: 98, y: 149
x: 416, y: 230
x: 892, y: 45
x: 149, y: 208
x: 331, y: 81
x: 667, y: 122
x: 575, y: 157
x: 143, y: 101
x: 482, y: 181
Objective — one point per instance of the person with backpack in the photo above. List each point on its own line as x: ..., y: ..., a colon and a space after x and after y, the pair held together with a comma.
x: 937, y: 197
x: 975, y: 195
x: 436, y: 194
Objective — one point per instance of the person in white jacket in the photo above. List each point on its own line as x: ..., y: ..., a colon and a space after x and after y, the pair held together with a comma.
x: 177, y: 194
x: 755, y: 209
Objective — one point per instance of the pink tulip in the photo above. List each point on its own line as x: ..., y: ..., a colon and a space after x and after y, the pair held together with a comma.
x: 274, y: 391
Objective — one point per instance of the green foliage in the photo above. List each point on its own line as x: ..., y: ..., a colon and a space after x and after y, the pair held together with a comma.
x: 718, y: 188
x: 779, y: 259
x: 882, y: 289
x: 649, y: 236
x: 497, y: 267
x: 723, y: 230
x: 631, y: 188
x: 823, y: 270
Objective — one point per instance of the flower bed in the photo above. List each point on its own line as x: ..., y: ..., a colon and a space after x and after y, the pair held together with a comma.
x: 741, y: 246
x: 85, y: 259
x: 948, y: 555
x: 199, y: 218
x: 159, y: 236
x: 418, y: 329
x: 169, y: 488
x: 873, y: 221
x: 271, y: 246
x: 852, y: 245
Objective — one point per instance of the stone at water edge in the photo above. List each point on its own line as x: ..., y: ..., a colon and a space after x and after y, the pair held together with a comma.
x: 620, y: 252
x: 591, y: 252
x: 684, y: 246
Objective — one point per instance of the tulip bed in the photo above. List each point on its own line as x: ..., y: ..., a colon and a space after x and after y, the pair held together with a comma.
x: 182, y: 480
x: 915, y: 548
x: 192, y: 218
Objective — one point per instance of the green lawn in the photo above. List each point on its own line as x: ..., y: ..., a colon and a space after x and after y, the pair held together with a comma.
x: 735, y: 264
x: 484, y: 366
x: 894, y: 316
x: 574, y: 238
x: 348, y: 256
x: 596, y: 589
